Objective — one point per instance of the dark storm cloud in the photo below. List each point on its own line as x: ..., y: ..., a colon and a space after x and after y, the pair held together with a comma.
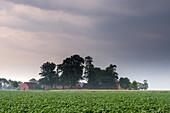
x: 141, y: 28
x: 144, y: 34
x: 133, y: 34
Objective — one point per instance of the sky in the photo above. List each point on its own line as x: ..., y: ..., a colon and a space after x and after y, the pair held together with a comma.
x: 134, y: 35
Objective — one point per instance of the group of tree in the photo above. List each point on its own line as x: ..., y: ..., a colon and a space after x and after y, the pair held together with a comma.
x: 9, y: 84
x: 76, y: 68
x: 139, y: 86
x: 67, y: 74
x: 97, y: 77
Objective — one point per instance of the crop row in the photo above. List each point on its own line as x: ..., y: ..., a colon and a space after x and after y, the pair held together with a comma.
x: 84, y: 101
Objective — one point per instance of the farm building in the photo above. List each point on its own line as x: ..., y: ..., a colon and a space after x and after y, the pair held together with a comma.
x: 27, y: 86
x: 81, y: 85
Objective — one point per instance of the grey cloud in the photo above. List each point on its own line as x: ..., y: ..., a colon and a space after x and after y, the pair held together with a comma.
x: 132, y: 34
x: 140, y: 27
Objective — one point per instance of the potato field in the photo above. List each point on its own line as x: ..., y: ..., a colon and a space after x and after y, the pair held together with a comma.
x: 84, y: 102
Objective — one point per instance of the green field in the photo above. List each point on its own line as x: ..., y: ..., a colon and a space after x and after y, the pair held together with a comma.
x: 85, y: 101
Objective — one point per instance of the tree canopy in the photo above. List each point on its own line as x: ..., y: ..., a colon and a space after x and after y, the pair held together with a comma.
x: 100, y: 77
x: 33, y: 80
x: 124, y: 82
x: 71, y: 70
x: 48, y: 73
x: 134, y: 85
x: 15, y: 84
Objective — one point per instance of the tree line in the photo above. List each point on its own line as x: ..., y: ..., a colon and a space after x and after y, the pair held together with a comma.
x: 9, y: 84
x: 76, y: 68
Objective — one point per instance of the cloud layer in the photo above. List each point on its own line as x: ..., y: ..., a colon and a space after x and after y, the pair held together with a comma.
x: 132, y: 34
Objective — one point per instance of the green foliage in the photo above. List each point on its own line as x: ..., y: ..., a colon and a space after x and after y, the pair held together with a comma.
x: 14, y: 84
x: 145, y: 84
x: 9, y: 84
x: 109, y: 77
x: 140, y: 86
x: 134, y: 85
x: 49, y: 73
x: 71, y: 70
x: 94, y: 77
x: 124, y: 82
x: 43, y: 81
x: 88, y: 66
x: 3, y: 80
x: 99, y: 78
x: 37, y: 87
x: 33, y: 80
x: 84, y: 102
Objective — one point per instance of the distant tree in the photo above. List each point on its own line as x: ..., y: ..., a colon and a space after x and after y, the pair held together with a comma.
x: 145, y: 84
x: 20, y: 83
x: 134, y: 85
x: 3, y: 80
x: 98, y: 77
x: 37, y: 86
x: 14, y: 84
x: 88, y: 66
x: 4, y: 83
x: 33, y: 80
x: 90, y: 72
x: 109, y: 77
x: 95, y: 77
x: 0, y: 85
x: 43, y: 81
x: 140, y: 86
x: 10, y: 81
x: 49, y: 73
x: 71, y: 70
x: 124, y: 82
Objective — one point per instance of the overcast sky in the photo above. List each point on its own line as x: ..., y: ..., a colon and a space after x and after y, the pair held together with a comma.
x: 134, y: 35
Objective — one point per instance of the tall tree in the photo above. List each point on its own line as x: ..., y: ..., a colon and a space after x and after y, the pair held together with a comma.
x: 110, y: 76
x: 124, y: 82
x: 88, y: 65
x: 90, y: 72
x: 49, y: 73
x: 71, y: 70
x: 94, y: 77
x: 140, y: 86
x: 145, y: 84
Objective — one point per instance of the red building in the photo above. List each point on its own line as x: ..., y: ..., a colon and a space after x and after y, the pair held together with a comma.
x: 27, y: 86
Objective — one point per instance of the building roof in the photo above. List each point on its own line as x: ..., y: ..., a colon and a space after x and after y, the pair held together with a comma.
x: 30, y: 84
